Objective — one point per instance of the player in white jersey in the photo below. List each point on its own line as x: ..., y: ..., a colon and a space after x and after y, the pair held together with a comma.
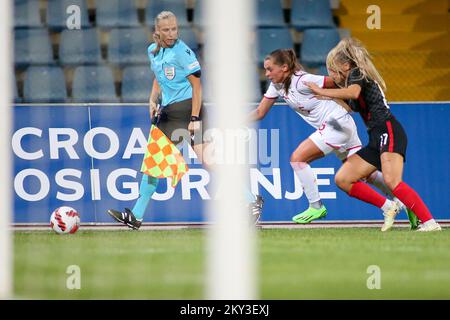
x: 335, y: 128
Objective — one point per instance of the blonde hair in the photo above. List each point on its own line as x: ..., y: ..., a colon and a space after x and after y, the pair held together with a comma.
x: 162, y: 15
x: 288, y: 57
x: 352, y: 51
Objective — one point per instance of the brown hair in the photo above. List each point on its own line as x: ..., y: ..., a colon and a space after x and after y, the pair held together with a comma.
x: 287, y: 57
x: 162, y: 15
x: 352, y: 51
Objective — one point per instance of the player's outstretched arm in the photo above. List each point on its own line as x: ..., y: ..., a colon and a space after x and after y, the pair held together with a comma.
x: 261, y: 111
x: 351, y: 92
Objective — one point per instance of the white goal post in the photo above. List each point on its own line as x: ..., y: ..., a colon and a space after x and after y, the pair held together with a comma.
x: 6, y: 72
x: 231, y: 255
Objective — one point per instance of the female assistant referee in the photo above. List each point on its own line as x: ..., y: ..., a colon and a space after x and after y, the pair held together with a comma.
x: 181, y: 116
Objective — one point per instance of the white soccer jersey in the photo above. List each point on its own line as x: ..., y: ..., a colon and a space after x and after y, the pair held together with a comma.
x: 301, y: 99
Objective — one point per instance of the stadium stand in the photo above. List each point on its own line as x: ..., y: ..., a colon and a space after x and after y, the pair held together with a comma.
x: 198, y: 19
x: 255, y: 92
x: 32, y: 47
x: 271, y: 39
x: 128, y: 46
x: 190, y: 38
x: 269, y: 14
x: 178, y: 7
x: 311, y: 14
x: 27, y: 14
x: 414, y: 38
x: 316, y: 45
x: 136, y: 83
x: 322, y: 70
x: 93, y: 84
x: 57, y: 13
x: 412, y: 48
x: 116, y: 14
x: 44, y: 84
x: 78, y: 47
x: 17, y: 98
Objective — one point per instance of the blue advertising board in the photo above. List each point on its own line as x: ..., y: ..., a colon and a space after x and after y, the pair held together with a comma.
x: 88, y: 157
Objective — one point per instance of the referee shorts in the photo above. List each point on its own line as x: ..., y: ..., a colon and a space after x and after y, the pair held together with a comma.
x: 174, y: 120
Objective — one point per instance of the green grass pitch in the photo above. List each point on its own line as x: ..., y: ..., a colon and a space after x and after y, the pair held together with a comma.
x: 293, y: 264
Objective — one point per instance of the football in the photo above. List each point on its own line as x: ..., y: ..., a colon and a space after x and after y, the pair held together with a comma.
x: 65, y: 220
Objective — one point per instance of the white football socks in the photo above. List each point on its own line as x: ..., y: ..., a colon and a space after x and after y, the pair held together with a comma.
x: 309, y: 183
x: 376, y: 179
x: 387, y: 205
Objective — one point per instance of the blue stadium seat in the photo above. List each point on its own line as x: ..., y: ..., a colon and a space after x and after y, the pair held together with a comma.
x: 79, y: 47
x: 32, y: 46
x: 128, y: 46
x: 272, y: 39
x: 311, y: 14
x: 116, y: 13
x: 209, y: 88
x: 316, y: 45
x: 17, y: 99
x: 198, y: 16
x: 322, y: 70
x: 93, y: 84
x: 57, y: 16
x: 27, y: 14
x: 206, y: 83
x: 188, y: 36
x: 44, y: 84
x: 137, y: 83
x: 269, y: 14
x: 178, y: 7
x: 255, y: 94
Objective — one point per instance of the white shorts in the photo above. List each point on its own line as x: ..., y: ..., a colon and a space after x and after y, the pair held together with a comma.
x: 339, y: 136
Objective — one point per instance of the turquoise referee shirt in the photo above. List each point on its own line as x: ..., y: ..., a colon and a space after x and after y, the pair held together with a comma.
x: 172, y: 66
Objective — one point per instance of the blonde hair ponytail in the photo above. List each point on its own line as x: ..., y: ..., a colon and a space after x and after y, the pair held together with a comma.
x: 352, y: 51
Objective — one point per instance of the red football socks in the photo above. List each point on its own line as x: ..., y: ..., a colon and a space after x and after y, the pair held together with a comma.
x: 362, y: 191
x: 412, y: 200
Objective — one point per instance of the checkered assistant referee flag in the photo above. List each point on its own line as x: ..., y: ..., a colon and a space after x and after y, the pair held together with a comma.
x: 162, y: 158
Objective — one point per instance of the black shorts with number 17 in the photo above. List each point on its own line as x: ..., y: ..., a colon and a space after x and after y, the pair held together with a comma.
x: 387, y: 137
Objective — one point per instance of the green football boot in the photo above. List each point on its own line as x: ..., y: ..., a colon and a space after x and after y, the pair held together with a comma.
x: 310, y: 214
x: 413, y: 220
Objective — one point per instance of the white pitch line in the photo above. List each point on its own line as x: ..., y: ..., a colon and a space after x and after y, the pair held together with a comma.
x: 200, y: 225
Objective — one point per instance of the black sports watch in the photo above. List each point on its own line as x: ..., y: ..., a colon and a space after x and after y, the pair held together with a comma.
x: 195, y: 118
